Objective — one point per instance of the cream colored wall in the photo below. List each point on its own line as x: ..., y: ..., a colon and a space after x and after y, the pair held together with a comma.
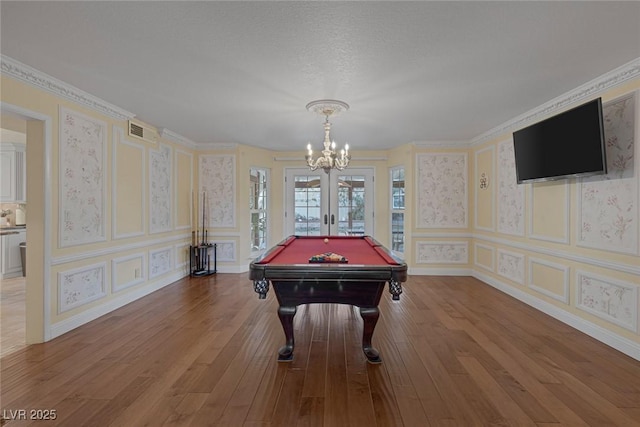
x: 123, y: 257
x: 551, y: 265
x: 439, y: 249
x: 277, y: 162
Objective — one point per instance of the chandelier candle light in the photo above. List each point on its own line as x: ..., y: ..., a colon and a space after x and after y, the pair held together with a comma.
x: 330, y: 159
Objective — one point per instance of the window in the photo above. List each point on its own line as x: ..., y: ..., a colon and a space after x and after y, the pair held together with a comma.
x: 397, y: 209
x: 258, y: 198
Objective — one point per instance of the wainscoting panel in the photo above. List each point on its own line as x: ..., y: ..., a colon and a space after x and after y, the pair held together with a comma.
x: 80, y: 286
x: 442, y: 252
x: 609, y: 299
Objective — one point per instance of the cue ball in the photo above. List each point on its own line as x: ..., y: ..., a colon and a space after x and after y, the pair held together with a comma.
x: 326, y: 240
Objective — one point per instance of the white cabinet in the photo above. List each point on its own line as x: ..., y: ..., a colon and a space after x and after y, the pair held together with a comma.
x: 13, y: 173
x: 10, y: 261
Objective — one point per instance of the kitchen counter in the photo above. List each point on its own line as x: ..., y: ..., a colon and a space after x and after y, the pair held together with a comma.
x: 12, y: 227
x: 5, y: 230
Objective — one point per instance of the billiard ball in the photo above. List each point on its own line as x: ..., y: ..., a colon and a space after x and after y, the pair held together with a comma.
x: 326, y: 240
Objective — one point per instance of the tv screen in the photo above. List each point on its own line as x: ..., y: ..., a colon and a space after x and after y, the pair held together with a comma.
x: 570, y: 144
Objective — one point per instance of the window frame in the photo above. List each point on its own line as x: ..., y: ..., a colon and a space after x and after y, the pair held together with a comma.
x: 394, y: 174
x: 262, y: 171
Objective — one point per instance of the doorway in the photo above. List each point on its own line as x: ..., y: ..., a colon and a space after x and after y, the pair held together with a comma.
x: 37, y: 294
x: 13, y: 141
x: 337, y: 203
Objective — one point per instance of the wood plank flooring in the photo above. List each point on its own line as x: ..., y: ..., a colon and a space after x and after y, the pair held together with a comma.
x: 202, y: 351
x: 12, y: 315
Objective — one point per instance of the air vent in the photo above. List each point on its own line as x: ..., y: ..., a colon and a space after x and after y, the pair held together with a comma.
x: 142, y: 131
x: 136, y: 130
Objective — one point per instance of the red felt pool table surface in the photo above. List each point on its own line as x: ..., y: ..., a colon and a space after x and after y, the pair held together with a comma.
x: 356, y: 249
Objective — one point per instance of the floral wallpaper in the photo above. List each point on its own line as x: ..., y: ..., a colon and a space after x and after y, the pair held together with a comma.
x: 612, y: 301
x: 442, y: 196
x: 82, y: 179
x: 217, y: 182
x: 442, y: 252
x: 510, y: 194
x: 609, y: 203
x: 160, y: 262
x: 226, y: 250
x: 78, y: 287
x: 160, y: 202
x: 511, y: 266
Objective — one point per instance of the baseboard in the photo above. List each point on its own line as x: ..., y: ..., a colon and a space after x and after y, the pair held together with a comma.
x: 442, y: 271
x: 233, y: 268
x: 87, y: 316
x: 605, y: 336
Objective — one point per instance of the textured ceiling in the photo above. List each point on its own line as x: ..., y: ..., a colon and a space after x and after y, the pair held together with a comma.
x: 242, y: 72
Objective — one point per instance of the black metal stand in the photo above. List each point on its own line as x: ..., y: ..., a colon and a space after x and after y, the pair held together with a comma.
x: 200, y: 260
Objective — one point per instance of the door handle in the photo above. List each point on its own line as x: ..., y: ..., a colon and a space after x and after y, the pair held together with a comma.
x: 325, y: 219
x: 333, y: 219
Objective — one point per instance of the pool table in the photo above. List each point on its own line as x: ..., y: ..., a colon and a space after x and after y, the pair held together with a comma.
x: 359, y: 279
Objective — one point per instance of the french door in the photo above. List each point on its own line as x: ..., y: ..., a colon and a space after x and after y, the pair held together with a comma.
x: 334, y: 203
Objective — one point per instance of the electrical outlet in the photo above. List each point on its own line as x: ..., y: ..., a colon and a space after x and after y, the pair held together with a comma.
x: 137, y: 273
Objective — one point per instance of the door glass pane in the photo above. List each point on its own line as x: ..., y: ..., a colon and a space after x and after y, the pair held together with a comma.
x: 351, y: 196
x: 307, y: 205
x: 397, y: 232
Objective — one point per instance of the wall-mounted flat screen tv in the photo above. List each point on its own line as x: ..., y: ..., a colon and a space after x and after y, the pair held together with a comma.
x: 570, y: 144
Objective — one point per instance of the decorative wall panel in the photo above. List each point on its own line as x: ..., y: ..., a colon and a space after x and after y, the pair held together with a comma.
x: 612, y: 300
x: 442, y: 190
x: 183, y: 190
x: 160, y: 261
x: 442, y: 252
x: 510, y: 194
x: 217, y: 180
x: 511, y: 265
x: 182, y: 254
x: 80, y: 286
x: 548, y: 224
x: 483, y: 256
x: 549, y: 278
x: 82, y: 187
x: 160, y: 201
x: 226, y: 250
x: 127, y: 271
x: 608, y: 205
x: 484, y: 195
x: 128, y: 182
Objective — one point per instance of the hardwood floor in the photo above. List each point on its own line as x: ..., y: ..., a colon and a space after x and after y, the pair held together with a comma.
x: 12, y: 315
x: 456, y: 352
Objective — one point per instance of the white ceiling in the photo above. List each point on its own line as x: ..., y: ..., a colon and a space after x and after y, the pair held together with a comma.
x: 242, y: 72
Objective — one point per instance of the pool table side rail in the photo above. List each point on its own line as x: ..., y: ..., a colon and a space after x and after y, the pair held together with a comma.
x: 395, y: 270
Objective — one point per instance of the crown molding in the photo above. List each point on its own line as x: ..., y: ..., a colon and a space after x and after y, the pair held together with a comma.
x: 441, y: 144
x: 613, y: 78
x: 203, y: 146
x: 177, y: 138
x: 29, y: 75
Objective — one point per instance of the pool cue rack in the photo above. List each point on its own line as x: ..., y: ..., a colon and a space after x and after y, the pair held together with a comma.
x: 200, y: 251
x: 200, y: 259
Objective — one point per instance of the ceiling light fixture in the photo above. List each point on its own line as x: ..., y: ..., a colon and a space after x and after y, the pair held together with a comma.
x: 330, y: 158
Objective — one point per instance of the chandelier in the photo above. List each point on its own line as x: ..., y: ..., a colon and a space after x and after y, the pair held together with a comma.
x: 330, y: 159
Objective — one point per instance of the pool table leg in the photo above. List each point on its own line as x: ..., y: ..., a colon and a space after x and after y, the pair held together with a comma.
x: 370, y: 316
x: 285, y: 354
